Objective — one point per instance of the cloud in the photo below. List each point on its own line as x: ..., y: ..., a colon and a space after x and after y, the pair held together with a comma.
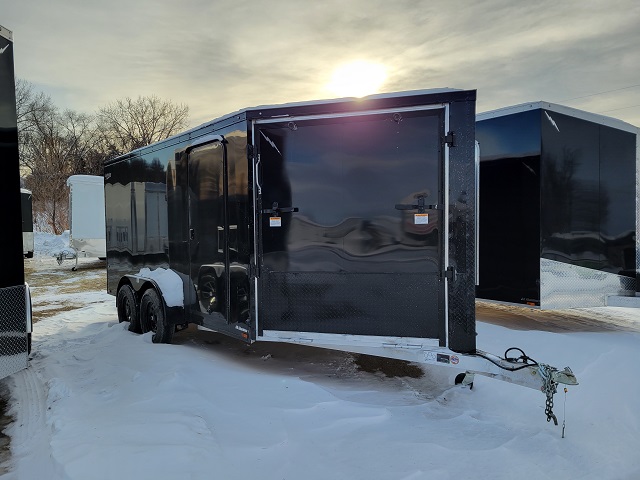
x: 221, y: 56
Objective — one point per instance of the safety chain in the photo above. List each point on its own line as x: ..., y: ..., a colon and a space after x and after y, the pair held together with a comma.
x: 549, y: 388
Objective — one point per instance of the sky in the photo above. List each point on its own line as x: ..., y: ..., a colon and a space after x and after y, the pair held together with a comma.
x: 219, y: 56
x: 100, y: 402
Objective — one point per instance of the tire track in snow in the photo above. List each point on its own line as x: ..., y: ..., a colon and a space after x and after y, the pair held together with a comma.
x: 30, y: 431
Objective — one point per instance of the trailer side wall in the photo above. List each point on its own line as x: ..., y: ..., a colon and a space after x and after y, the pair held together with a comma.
x: 14, y: 294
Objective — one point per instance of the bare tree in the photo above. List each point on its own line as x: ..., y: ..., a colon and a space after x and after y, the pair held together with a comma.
x: 129, y: 124
x: 29, y: 106
x: 57, y: 146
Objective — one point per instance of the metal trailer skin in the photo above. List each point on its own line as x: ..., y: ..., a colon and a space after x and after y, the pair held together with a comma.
x: 557, y: 206
x: 87, y: 236
x: 27, y: 222
x: 346, y: 224
x: 15, y: 300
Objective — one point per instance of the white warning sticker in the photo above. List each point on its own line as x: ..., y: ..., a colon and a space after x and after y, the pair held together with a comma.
x: 421, y: 219
x: 275, y: 221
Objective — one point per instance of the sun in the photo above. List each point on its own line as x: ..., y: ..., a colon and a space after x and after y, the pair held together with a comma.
x: 357, y: 79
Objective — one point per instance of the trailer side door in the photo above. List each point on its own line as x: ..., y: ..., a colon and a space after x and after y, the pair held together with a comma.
x: 208, y: 232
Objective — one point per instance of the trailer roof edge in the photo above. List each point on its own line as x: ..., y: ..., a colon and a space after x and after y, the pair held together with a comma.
x: 554, y: 107
x: 6, y: 33
x: 256, y: 112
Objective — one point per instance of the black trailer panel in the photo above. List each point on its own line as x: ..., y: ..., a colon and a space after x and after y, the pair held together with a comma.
x: 557, y: 206
x: 15, y: 311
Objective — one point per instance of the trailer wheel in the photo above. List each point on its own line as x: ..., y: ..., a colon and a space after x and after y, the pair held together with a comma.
x: 128, y: 308
x: 152, y: 318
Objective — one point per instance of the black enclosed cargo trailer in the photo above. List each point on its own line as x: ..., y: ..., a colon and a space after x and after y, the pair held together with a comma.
x: 15, y: 302
x: 346, y: 224
x: 557, y: 206
x: 330, y: 218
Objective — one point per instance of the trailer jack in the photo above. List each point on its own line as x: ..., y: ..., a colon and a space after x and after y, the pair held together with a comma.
x: 65, y: 254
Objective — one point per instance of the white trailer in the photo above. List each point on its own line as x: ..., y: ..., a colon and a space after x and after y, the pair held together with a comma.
x: 86, y: 218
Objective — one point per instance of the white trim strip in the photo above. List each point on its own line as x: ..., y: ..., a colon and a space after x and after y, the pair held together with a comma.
x: 351, y: 114
x: 332, y: 340
x: 445, y: 229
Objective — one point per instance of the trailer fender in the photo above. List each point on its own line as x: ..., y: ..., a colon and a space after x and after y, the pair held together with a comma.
x: 168, y: 284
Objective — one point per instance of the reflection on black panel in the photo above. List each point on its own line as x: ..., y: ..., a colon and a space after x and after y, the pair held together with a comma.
x: 588, y: 194
x: 617, y: 182
x: 346, y: 179
x: 350, y: 226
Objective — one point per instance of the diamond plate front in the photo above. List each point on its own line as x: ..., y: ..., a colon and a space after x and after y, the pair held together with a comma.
x: 568, y: 286
x: 356, y: 304
x: 13, y: 330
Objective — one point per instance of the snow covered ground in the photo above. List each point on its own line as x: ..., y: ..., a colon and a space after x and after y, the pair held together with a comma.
x: 99, y: 402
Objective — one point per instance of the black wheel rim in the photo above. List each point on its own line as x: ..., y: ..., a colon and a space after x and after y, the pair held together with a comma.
x: 152, y: 318
x: 127, y: 311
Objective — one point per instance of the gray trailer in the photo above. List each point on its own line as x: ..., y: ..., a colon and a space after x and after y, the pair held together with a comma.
x: 344, y: 224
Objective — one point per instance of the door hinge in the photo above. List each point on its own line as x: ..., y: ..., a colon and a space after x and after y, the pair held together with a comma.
x: 449, y: 139
x: 450, y: 274
x: 250, y: 152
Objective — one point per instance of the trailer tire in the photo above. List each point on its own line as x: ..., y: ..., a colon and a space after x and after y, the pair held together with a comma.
x: 152, y: 318
x: 128, y: 308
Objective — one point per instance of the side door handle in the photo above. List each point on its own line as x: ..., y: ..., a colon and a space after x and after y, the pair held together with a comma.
x: 275, y: 210
x: 420, y: 206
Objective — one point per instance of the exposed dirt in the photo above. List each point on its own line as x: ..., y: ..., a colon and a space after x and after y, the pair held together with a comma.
x: 388, y: 366
x: 574, y: 320
x: 5, y: 421
x: 45, y: 276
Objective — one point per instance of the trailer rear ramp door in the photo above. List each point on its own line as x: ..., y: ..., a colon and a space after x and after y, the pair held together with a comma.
x: 351, y: 224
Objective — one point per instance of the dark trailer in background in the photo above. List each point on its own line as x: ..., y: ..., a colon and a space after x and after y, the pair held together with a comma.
x: 344, y: 224
x: 557, y: 221
x: 15, y: 304
x: 26, y: 202
x: 320, y: 222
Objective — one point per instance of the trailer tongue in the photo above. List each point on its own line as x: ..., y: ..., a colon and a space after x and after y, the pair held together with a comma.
x: 521, y: 370
x: 346, y: 224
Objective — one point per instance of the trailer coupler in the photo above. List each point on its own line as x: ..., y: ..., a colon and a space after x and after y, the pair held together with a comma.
x: 521, y: 370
